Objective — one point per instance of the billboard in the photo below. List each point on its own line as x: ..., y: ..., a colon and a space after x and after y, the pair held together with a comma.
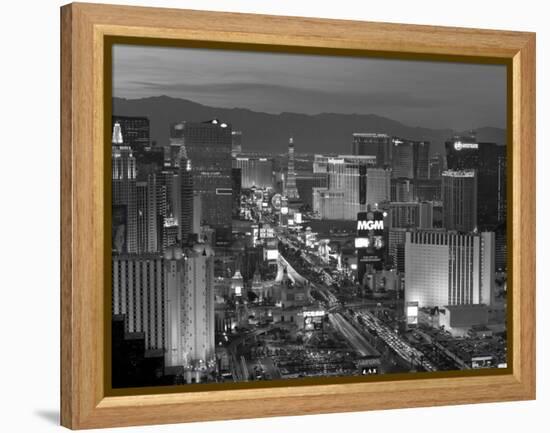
x: 411, y: 311
x: 370, y: 241
x: 272, y: 254
x: 313, y: 320
x: 277, y: 201
x: 266, y: 232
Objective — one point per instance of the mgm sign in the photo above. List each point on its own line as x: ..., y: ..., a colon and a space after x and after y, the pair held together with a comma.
x: 371, y: 241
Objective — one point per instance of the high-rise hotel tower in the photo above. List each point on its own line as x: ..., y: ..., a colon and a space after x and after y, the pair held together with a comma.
x: 459, y: 195
x: 449, y: 268
x: 124, y: 200
x: 190, y: 307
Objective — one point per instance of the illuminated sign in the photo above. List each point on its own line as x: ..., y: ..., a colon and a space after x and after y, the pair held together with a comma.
x: 370, y: 225
x: 458, y: 173
x: 277, y: 201
x: 362, y: 242
x: 482, y: 361
x: 266, y: 232
x: 318, y: 313
x: 224, y: 191
x: 459, y: 145
x: 370, y: 241
x: 284, y: 210
x: 272, y: 254
x: 412, y: 313
x: 367, y: 371
x: 298, y: 218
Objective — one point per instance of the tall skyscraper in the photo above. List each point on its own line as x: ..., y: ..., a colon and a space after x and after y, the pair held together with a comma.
x: 124, y: 203
x: 190, y: 307
x: 459, y: 196
x: 197, y: 213
x: 396, y: 247
x: 169, y: 203
x: 186, y: 190
x: 489, y: 162
x: 208, y: 146
x: 147, y: 215
x: 139, y: 293
x: 135, y: 130
x: 491, y: 185
x: 290, y: 185
x: 449, y: 268
x: 501, y: 248
x: 421, y: 159
x: 402, y: 158
x: 410, y: 159
x: 462, y: 152
x: 354, y: 182
x: 501, y: 185
x: 236, y: 143
x: 373, y: 144
x: 236, y: 185
x: 378, y: 185
x: 436, y: 166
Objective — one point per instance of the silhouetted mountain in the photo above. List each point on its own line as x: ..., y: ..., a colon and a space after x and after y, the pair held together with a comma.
x: 326, y: 132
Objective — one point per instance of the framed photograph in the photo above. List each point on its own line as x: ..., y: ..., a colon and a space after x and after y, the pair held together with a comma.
x: 267, y: 216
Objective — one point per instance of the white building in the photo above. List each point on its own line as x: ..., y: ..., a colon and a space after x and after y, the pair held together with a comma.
x: 190, y: 307
x: 448, y: 268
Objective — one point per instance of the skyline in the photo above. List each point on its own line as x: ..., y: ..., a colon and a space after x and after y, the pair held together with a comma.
x: 229, y: 268
x: 350, y: 245
x: 446, y: 95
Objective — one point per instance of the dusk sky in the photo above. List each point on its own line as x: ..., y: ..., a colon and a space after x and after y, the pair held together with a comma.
x: 429, y: 94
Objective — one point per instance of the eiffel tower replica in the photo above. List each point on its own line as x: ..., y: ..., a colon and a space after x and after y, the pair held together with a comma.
x: 291, y: 191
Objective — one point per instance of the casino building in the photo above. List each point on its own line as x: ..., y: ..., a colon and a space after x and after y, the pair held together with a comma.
x: 354, y: 182
x: 449, y: 268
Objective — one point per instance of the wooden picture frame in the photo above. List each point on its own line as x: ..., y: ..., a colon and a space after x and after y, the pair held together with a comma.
x: 84, y: 30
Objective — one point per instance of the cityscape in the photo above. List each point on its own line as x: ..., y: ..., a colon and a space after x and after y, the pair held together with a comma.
x: 234, y: 261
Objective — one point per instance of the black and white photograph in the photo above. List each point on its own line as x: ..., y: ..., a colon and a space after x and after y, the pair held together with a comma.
x: 291, y: 216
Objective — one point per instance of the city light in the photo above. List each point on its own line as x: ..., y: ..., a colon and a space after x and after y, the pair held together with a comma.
x: 248, y: 257
x: 362, y: 242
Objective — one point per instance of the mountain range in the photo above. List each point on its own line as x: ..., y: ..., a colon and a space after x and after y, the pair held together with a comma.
x: 265, y: 132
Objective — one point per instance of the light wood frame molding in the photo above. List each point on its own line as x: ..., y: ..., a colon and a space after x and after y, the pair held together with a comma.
x: 83, y: 29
